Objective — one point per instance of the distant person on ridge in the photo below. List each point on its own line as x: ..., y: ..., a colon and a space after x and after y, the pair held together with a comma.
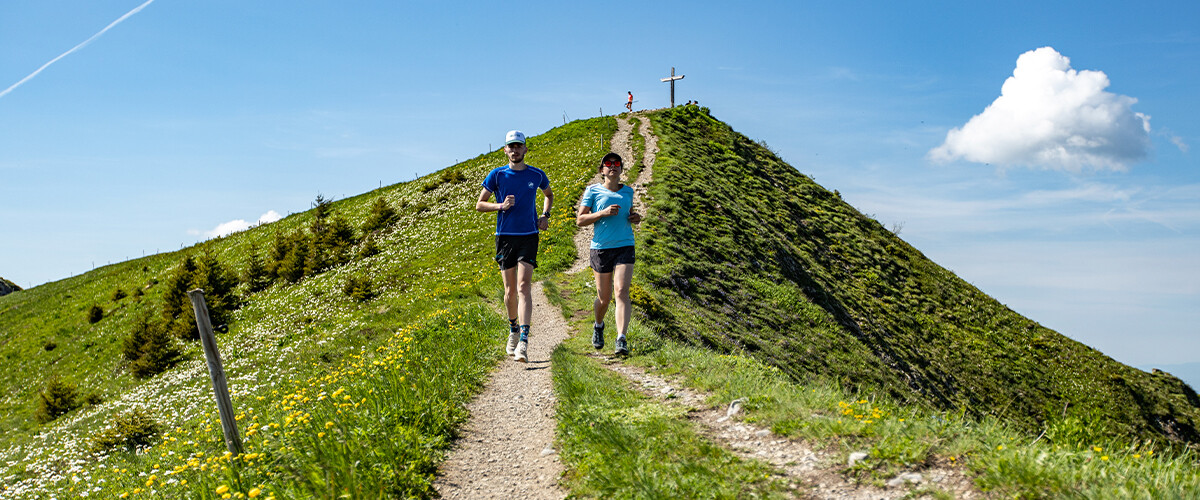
x: 609, y: 205
x: 517, y: 226
x: 629, y: 103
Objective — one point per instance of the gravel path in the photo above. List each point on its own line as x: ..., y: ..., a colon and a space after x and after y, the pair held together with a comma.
x: 507, y: 448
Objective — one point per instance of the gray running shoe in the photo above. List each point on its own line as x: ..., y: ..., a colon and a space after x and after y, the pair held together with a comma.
x: 597, y: 336
x: 513, y: 338
x: 522, y: 348
x: 622, y: 347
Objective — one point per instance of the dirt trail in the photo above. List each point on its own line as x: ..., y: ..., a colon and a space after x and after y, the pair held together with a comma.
x: 507, y: 448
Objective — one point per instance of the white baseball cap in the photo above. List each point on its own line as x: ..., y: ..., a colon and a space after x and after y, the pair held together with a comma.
x: 514, y: 136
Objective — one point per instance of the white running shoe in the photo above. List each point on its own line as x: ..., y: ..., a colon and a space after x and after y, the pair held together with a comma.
x: 522, y: 348
x: 513, y: 338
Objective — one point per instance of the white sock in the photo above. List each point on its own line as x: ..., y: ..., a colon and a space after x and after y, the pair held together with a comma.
x: 599, y: 325
x: 620, y: 336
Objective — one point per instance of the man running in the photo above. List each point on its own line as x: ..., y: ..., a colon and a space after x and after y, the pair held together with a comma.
x: 517, y: 226
x: 609, y: 205
x: 629, y: 103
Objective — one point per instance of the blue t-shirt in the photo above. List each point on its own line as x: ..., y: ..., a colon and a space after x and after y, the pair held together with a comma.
x: 522, y: 218
x: 613, y: 231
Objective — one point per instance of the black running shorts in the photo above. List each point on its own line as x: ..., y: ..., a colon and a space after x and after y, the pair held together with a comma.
x: 512, y: 249
x: 605, y: 260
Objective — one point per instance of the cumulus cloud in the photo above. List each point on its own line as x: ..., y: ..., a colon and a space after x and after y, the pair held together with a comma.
x: 233, y: 226
x: 1051, y: 116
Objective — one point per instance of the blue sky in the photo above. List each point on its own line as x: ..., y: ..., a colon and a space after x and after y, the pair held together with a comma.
x: 1074, y: 199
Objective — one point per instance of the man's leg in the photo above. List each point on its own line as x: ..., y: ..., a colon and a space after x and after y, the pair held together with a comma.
x: 524, y: 278
x: 510, y: 305
x: 510, y: 291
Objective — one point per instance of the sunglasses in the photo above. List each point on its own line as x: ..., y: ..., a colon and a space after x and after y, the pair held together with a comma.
x: 612, y: 163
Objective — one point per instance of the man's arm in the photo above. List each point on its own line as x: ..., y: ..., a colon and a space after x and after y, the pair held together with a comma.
x: 543, y: 222
x: 483, y: 205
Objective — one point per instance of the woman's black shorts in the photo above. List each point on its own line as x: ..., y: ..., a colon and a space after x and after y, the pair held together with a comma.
x: 605, y: 260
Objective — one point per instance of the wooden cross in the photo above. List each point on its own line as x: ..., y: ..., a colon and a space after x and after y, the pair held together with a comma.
x: 672, y: 79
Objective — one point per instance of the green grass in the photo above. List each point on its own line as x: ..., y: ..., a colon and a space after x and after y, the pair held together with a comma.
x: 618, y: 443
x: 1003, y: 460
x: 408, y: 359
x: 743, y: 253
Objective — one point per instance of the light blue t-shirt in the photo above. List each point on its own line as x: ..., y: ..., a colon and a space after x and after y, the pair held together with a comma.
x: 613, y: 231
x: 522, y: 218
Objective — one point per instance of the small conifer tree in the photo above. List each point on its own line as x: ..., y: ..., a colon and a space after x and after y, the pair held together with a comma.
x: 58, y: 398
x: 132, y: 430
x: 369, y: 248
x: 256, y: 276
x: 175, y: 299
x: 95, y: 314
x: 291, y: 268
x: 382, y: 215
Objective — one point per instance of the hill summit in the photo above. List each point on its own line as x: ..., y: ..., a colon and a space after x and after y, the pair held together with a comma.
x: 742, y: 252
x: 7, y: 287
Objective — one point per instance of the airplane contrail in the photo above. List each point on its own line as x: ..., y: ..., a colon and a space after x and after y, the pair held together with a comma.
x: 75, y: 48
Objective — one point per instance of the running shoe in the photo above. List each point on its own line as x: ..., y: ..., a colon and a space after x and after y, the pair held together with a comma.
x: 513, y: 337
x: 598, y: 336
x: 622, y: 347
x: 522, y: 348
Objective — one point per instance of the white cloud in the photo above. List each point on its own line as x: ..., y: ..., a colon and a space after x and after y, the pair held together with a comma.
x: 1178, y: 142
x: 269, y: 217
x: 1051, y: 116
x: 233, y: 226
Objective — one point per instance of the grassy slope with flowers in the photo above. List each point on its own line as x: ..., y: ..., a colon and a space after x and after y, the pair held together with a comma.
x: 743, y: 253
x: 617, y: 445
x: 334, y: 396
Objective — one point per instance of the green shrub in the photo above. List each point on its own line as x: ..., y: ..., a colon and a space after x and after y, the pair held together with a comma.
x: 95, y: 314
x: 50, y: 345
x: 118, y: 294
x: 93, y: 399
x: 56, y: 400
x: 256, y: 276
x: 132, y: 430
x: 369, y: 248
x: 205, y: 273
x: 382, y: 215
x: 447, y: 177
x: 151, y: 348
x: 359, y: 288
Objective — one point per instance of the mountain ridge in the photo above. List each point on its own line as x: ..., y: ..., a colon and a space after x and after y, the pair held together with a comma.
x: 745, y: 253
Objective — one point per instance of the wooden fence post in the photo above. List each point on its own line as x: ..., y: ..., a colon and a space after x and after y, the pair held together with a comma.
x: 233, y: 442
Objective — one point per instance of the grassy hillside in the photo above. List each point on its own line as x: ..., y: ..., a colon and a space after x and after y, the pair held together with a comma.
x: 314, y: 373
x: 744, y: 253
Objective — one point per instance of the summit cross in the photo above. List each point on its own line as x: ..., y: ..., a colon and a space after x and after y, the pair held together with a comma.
x: 672, y: 79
